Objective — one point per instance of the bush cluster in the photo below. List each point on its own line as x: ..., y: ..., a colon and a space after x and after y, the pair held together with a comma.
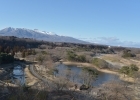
x: 100, y: 63
x: 127, y: 53
x: 129, y: 70
x: 28, y: 52
x: 74, y: 57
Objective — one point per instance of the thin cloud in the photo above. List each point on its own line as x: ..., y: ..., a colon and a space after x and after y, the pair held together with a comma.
x: 114, y: 41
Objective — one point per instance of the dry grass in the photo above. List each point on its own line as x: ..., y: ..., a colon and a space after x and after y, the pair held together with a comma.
x: 118, y: 59
x: 30, y: 80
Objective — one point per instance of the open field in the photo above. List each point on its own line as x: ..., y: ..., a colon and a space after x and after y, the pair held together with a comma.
x: 39, y: 66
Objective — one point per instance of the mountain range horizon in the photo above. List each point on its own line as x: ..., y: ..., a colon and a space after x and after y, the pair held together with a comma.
x: 39, y: 35
x: 53, y: 37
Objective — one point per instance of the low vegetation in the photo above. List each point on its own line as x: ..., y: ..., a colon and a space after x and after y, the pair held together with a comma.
x: 91, y: 71
x: 45, y: 54
x: 71, y: 56
x: 27, y: 52
x: 88, y: 76
x: 100, y: 63
x: 40, y: 58
x: 127, y: 53
x: 129, y: 70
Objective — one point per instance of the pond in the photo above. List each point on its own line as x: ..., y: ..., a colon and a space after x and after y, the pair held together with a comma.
x: 77, y: 75
x: 18, y: 76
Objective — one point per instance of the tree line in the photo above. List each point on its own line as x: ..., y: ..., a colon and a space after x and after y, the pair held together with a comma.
x: 6, y: 58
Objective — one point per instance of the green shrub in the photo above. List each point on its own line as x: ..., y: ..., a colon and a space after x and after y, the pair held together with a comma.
x: 100, y: 63
x: 71, y: 56
x: 91, y: 71
x: 129, y: 70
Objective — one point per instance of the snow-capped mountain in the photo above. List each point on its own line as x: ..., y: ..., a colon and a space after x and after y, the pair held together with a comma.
x: 44, y: 32
x: 37, y: 34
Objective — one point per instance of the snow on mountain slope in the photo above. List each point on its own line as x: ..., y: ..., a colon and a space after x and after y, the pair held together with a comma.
x: 37, y: 34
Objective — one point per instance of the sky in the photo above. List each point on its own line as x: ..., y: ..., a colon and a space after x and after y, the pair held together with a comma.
x: 111, y: 22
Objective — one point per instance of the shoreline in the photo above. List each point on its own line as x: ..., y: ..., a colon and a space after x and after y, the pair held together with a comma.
x: 79, y: 64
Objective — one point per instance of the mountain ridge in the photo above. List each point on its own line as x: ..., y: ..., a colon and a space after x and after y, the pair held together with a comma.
x: 39, y: 35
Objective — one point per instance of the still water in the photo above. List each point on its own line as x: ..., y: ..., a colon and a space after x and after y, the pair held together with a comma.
x: 18, y: 76
x: 76, y: 71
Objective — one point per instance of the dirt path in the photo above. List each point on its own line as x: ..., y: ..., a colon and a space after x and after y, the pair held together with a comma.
x: 31, y: 80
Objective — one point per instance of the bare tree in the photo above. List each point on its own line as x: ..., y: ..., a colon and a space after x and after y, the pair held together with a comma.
x: 115, y: 90
x: 87, y: 78
x: 60, y: 83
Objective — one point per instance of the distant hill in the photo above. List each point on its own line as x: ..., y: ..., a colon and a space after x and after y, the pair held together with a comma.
x: 39, y: 35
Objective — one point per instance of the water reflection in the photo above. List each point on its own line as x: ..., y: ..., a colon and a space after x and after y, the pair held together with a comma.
x: 18, y: 76
x: 77, y: 75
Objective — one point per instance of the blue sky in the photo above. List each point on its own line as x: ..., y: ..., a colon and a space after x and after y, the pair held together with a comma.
x: 114, y: 22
